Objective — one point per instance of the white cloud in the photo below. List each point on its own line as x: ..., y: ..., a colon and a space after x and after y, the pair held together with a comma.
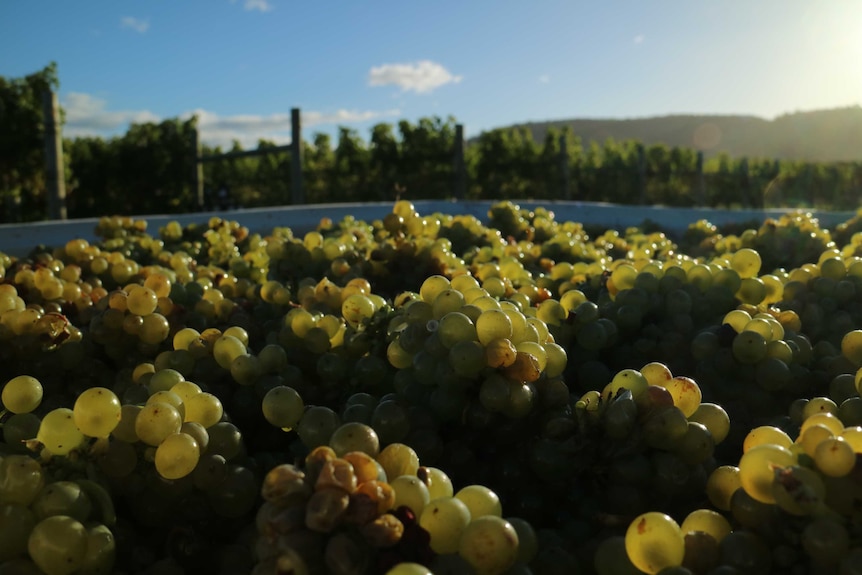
x: 420, y: 77
x: 544, y: 79
x: 639, y: 39
x: 87, y: 115
x: 259, y: 5
x: 137, y: 24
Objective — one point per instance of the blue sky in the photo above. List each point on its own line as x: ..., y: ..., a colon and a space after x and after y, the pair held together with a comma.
x: 243, y: 64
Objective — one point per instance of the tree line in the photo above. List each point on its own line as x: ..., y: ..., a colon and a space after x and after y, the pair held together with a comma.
x: 150, y: 168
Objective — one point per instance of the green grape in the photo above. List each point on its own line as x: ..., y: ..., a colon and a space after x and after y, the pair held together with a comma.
x: 154, y: 329
x: 707, y: 521
x: 16, y: 522
x: 825, y: 540
x: 118, y: 460
x: 164, y: 380
x: 766, y: 435
x: 246, y: 369
x: 493, y: 324
x: 556, y: 359
x: 480, y: 500
x: 756, y: 470
x: 21, y: 479
x: 467, y: 358
x: 58, y: 432
x: 410, y: 491
x: 686, y: 394
x: 19, y: 428
x: 745, y: 262
x: 210, y: 472
x: 665, y: 427
x: 827, y: 420
x: 851, y: 346
x: 142, y: 301
x: 432, y: 286
x: 97, y: 411
x: 818, y: 405
x: 169, y: 397
x: 62, y: 498
x: 398, y: 357
x: 226, y: 349
x: 409, y: 568
x: 834, y: 457
x: 630, y: 379
x: 536, y: 350
x: 317, y: 425
x: 238, y: 332
x: 697, y: 445
x: 812, y: 436
x: 439, y: 484
x: 22, y: 394
x: 125, y: 429
x: 101, y: 551
x: 177, y: 456
x: 656, y: 373
x: 445, y: 518
x: 798, y: 490
x: 654, y: 542
x: 353, y: 437
x: 749, y: 347
x: 489, y: 544
x: 204, y: 408
x: 272, y: 358
x: 455, y: 327
x: 715, y: 418
x: 446, y: 301
x: 357, y: 308
x: 282, y: 407
x: 852, y: 435
x: 398, y: 459
x: 156, y: 421
x: 58, y: 545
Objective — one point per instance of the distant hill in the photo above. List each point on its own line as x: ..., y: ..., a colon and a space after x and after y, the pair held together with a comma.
x: 821, y: 135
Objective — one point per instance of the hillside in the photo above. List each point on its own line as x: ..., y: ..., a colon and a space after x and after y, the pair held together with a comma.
x: 821, y: 135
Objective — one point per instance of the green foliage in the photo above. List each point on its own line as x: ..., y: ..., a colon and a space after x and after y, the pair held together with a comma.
x: 22, y: 144
x: 150, y: 168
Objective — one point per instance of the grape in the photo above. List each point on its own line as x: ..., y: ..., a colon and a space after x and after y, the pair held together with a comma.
x: 766, y: 435
x: 410, y: 491
x: 409, y: 568
x: 317, y: 426
x: 825, y: 540
x: 125, y: 429
x: 282, y: 407
x: 480, y: 501
x: 439, y: 484
x: 101, y: 551
x: 686, y: 394
x: 21, y: 479
x: 142, y: 301
x: 204, y: 408
x: 756, y: 470
x: 834, y: 457
x: 22, y: 394
x: 16, y: 522
x: 611, y: 558
x: 226, y: 349
x: 455, y: 327
x: 58, y: 545
x: 445, y: 519
x: 489, y: 544
x: 58, y: 432
x: 62, y: 498
x: 177, y: 456
x: 654, y: 542
x: 398, y: 459
x: 493, y: 324
x: 714, y: 418
x: 798, y: 490
x: 97, y: 412
x: 156, y: 421
x: 707, y: 521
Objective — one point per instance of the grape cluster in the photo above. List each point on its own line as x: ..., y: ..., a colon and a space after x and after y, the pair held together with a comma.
x: 352, y: 507
x: 154, y: 383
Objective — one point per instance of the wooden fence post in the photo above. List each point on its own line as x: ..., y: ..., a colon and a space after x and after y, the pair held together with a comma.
x: 297, y: 195
x: 55, y: 178
x: 198, y: 174
x: 458, y: 167
x: 700, y: 184
x: 564, y: 168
